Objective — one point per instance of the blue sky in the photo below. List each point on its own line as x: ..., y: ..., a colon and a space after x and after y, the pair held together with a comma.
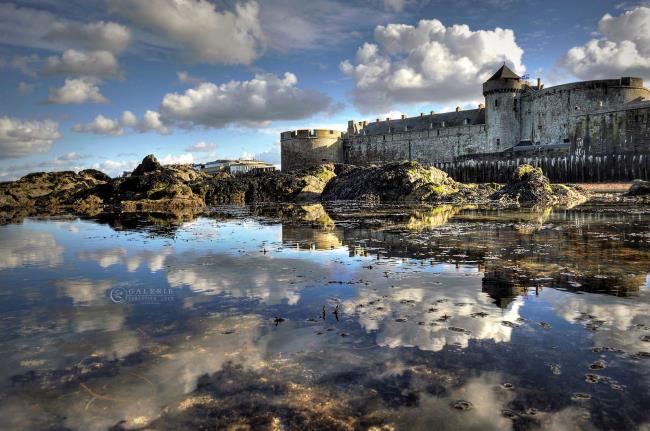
x: 102, y: 83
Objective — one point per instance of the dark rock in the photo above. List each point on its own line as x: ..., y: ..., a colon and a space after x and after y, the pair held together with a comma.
x: 639, y: 188
x: 148, y: 164
x: 302, y: 186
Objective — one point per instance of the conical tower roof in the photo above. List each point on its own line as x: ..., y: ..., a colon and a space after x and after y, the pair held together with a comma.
x: 504, y: 73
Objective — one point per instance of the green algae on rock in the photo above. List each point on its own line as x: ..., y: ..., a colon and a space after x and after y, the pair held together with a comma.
x: 529, y: 186
x: 392, y: 182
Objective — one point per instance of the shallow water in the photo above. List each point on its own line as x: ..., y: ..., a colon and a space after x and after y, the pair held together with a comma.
x: 394, y: 318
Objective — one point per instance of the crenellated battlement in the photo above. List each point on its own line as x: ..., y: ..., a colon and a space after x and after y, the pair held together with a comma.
x: 597, y: 118
x: 311, y: 133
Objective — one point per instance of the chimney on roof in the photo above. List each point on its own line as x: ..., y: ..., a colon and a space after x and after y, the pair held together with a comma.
x: 387, y: 118
x: 457, y: 108
x: 481, y: 106
x: 539, y: 83
x: 432, y: 112
x: 421, y: 114
x: 403, y: 116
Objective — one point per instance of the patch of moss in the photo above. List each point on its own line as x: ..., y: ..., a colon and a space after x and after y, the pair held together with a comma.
x: 524, y: 171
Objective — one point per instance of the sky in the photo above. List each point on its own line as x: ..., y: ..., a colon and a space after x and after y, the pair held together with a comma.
x: 102, y: 83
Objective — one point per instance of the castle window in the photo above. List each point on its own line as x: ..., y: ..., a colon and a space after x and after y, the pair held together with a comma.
x: 496, y: 103
x: 515, y: 104
x: 438, y: 130
x: 384, y: 137
x: 498, y: 142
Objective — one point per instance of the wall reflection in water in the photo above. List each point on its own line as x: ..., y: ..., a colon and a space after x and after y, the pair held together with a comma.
x: 344, y: 318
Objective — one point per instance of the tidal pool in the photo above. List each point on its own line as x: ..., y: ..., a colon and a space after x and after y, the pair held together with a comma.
x: 328, y: 318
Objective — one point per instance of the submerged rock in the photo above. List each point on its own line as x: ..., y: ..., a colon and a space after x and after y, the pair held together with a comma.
x: 529, y: 186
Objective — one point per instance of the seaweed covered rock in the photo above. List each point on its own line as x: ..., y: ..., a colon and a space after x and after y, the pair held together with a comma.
x: 304, y: 186
x: 529, y: 186
x: 50, y: 190
x: 639, y: 188
x: 152, y: 187
x: 392, y: 182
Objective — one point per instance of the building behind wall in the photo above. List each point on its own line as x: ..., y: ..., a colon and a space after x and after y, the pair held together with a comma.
x: 584, y: 131
x: 234, y: 167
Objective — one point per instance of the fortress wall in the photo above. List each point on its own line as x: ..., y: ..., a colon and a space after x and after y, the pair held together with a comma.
x: 425, y: 146
x: 549, y: 116
x: 306, y: 148
x: 625, y: 131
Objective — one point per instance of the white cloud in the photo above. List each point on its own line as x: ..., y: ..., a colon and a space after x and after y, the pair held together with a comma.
x: 428, y: 63
x: 183, y: 159
x: 25, y: 137
x: 151, y: 121
x: 100, y: 126
x: 91, y: 63
x: 202, y: 147
x: 25, y: 88
x: 208, y: 35
x: 129, y: 119
x: 115, y: 167
x: 259, y: 101
x: 110, y: 127
x: 76, y: 91
x: 185, y: 78
x: 101, y: 35
x: 624, y: 48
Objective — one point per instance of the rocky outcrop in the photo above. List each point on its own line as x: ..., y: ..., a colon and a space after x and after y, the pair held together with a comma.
x: 529, y: 186
x: 152, y: 187
x: 639, y: 188
x: 304, y: 186
x: 156, y: 188
x: 47, y: 191
x: 393, y: 182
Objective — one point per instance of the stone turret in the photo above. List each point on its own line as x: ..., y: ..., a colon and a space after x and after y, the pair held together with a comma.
x: 307, y: 148
x: 502, y: 92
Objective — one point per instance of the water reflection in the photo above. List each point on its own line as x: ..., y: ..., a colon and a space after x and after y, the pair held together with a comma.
x: 25, y: 247
x: 306, y: 317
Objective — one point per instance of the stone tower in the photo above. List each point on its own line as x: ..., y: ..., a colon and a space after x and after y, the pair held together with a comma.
x: 502, y: 108
x: 308, y: 148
